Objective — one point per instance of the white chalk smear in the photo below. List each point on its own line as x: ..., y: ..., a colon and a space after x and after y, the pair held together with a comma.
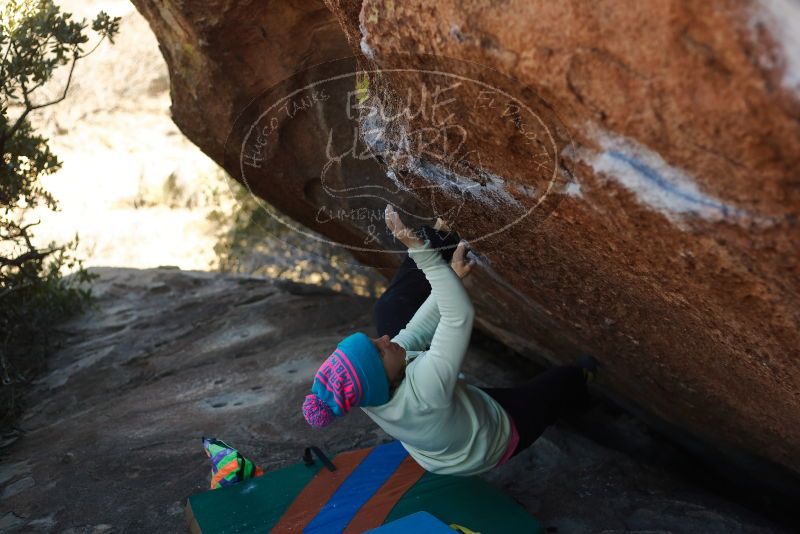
x: 573, y: 189
x: 525, y: 189
x: 782, y: 19
x: 364, y: 45
x: 491, y: 191
x: 392, y: 142
x: 656, y: 184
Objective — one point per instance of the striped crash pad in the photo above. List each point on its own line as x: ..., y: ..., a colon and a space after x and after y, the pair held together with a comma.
x: 416, y: 523
x: 369, y: 488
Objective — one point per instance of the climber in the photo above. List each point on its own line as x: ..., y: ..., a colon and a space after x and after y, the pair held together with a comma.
x: 408, y: 381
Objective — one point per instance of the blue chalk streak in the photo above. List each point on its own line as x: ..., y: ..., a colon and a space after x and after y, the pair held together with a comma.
x: 653, y: 176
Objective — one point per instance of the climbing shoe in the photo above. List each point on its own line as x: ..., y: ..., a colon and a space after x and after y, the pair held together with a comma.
x: 588, y: 365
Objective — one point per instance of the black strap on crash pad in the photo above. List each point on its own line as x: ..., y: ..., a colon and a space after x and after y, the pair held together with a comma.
x: 308, y: 459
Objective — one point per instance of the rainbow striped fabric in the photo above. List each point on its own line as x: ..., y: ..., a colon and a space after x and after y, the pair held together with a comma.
x: 369, y: 488
x: 228, y: 466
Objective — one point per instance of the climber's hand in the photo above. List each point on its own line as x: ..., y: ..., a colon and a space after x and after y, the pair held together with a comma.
x: 400, y: 231
x: 460, y: 263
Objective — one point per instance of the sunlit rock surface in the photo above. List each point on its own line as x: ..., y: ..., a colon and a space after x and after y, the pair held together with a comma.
x: 112, y: 429
x: 667, y: 244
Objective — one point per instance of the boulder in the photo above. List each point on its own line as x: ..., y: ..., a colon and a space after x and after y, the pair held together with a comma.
x: 627, y: 173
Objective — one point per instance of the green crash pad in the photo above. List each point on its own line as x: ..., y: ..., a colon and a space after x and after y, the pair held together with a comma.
x: 312, y: 499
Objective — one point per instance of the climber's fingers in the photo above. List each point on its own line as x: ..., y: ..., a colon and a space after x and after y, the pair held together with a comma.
x: 460, y: 263
x: 393, y: 221
x: 399, y: 230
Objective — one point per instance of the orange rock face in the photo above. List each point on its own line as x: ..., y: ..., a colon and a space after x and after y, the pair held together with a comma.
x: 628, y: 173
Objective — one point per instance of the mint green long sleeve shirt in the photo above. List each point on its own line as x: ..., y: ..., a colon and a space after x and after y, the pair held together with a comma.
x: 445, y: 424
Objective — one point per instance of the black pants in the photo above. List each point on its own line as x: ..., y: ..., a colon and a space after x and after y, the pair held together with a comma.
x: 409, y: 288
x: 553, y: 393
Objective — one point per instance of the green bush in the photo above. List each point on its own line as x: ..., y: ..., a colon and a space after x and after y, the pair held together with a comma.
x: 36, y: 38
x: 251, y: 241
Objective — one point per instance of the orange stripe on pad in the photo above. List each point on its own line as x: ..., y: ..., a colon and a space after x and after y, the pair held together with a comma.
x: 317, y: 492
x: 377, y: 508
x: 226, y: 470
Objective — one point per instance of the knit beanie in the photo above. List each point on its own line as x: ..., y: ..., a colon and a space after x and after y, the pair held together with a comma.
x: 352, y: 376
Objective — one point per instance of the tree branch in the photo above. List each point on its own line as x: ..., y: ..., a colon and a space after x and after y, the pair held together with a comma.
x: 5, y: 57
x: 29, y: 106
x: 102, y: 38
x: 21, y: 231
x: 66, y: 87
x: 27, y: 256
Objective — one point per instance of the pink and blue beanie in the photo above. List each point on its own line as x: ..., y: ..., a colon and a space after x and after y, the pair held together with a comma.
x: 352, y: 376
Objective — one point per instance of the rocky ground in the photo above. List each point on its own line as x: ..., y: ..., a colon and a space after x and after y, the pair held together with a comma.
x: 111, y: 438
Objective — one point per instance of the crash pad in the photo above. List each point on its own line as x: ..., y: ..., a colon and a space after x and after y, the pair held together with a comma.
x: 370, y: 487
x: 418, y: 523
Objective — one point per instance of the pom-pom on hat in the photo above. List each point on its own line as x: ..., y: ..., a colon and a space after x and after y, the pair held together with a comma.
x: 352, y: 376
x: 317, y: 412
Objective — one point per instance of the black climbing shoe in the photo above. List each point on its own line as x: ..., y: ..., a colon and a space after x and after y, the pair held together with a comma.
x: 588, y: 365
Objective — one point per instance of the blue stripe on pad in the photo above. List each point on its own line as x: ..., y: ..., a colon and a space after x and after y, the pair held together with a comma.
x: 358, y: 488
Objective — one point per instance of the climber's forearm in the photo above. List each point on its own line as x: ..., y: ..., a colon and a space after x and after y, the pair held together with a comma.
x: 419, y: 331
x: 455, y: 307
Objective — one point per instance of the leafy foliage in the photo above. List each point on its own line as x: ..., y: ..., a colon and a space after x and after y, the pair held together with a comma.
x: 252, y: 241
x: 36, y: 38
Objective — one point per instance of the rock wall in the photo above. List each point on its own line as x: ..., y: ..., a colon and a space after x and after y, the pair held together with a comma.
x: 635, y: 194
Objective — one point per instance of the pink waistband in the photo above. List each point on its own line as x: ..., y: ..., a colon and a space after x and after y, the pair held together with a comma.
x: 513, y: 441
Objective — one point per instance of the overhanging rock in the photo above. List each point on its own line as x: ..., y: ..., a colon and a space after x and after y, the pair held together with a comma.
x: 646, y: 155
